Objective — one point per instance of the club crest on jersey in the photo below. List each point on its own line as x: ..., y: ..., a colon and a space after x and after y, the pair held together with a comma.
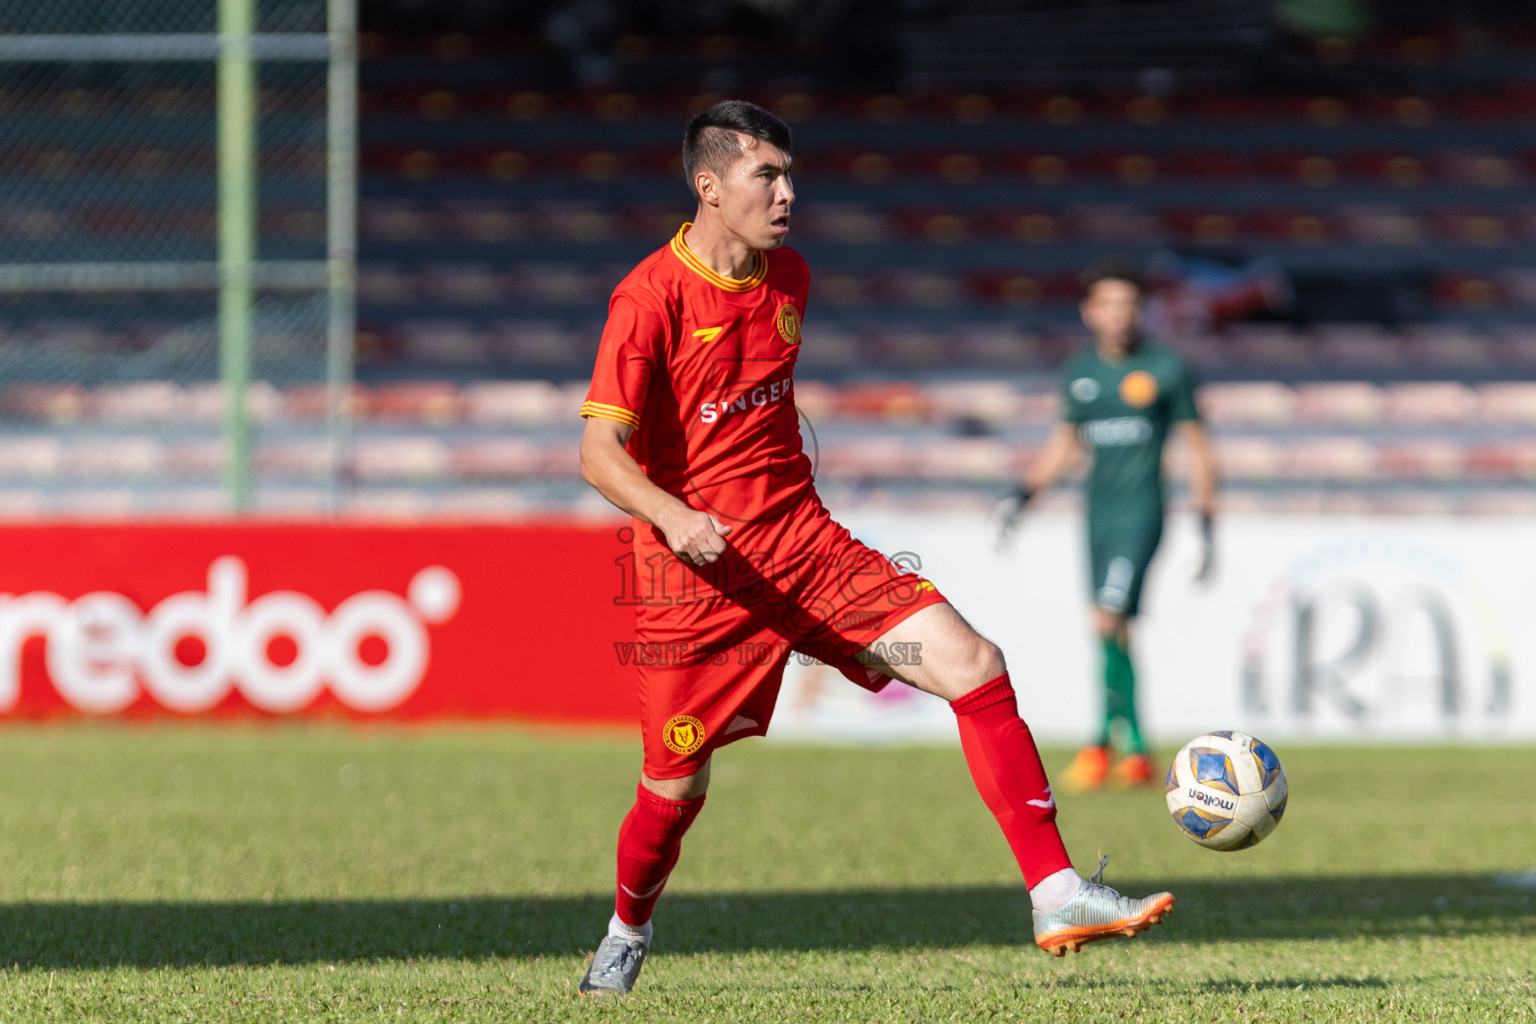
x: 1084, y: 389
x: 683, y: 734
x: 788, y: 321
x: 1139, y: 389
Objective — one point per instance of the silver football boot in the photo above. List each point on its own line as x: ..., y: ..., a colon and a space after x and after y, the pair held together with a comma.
x: 615, y: 966
x: 1098, y: 912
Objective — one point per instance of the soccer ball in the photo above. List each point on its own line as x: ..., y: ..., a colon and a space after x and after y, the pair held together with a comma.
x: 1226, y: 790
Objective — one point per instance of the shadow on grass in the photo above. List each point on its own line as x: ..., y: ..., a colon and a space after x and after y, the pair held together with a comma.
x: 184, y: 934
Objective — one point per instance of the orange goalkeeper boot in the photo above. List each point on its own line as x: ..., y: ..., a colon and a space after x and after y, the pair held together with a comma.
x: 1087, y: 770
x: 1133, y: 770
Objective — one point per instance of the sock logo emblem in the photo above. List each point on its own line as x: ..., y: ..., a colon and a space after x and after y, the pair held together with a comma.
x: 683, y: 734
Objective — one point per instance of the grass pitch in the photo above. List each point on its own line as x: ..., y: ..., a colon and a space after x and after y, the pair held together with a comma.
x: 457, y: 874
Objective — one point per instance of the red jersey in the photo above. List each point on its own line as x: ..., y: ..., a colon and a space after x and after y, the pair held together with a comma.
x: 702, y: 366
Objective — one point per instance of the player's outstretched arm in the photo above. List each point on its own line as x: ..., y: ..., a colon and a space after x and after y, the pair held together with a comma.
x: 1055, y: 458
x: 1059, y: 452
x: 1202, y: 491
x: 693, y: 536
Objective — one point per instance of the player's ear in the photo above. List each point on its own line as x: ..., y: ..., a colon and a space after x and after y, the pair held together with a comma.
x: 705, y: 186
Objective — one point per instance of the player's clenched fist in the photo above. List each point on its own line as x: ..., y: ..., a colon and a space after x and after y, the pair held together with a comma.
x: 695, y: 537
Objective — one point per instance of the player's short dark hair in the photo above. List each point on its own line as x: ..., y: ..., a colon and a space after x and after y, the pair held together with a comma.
x: 711, y: 139
x: 1115, y: 272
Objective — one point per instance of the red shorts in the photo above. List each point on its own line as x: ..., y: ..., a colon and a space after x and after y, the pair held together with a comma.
x: 713, y: 641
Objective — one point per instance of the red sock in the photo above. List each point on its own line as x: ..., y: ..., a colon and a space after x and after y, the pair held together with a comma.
x: 649, y: 842
x: 1006, y: 767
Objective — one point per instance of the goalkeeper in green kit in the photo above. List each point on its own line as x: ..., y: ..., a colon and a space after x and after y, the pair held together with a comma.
x: 1120, y: 399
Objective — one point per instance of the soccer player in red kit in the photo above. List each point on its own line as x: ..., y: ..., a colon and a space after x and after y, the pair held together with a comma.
x: 691, y: 428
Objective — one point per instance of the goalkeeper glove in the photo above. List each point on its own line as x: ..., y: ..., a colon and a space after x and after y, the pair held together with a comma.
x: 1006, y: 516
x: 1205, y: 566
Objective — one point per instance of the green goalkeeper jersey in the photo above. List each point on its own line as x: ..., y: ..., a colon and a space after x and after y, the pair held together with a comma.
x: 1122, y: 409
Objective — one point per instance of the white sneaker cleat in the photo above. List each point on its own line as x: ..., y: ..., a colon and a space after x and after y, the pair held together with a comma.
x: 615, y: 966
x: 1098, y: 912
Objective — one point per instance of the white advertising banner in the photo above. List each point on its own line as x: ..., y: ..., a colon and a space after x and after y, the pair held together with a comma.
x: 1327, y: 629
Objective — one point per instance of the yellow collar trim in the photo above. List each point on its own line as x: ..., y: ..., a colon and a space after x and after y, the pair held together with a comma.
x: 731, y: 284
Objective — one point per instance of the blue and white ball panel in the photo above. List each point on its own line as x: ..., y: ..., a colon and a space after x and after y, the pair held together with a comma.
x: 1200, y: 824
x: 1212, y: 768
x: 1268, y: 763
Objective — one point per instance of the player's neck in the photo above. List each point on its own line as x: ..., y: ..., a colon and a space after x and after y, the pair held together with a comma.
x: 1113, y: 352
x: 720, y: 251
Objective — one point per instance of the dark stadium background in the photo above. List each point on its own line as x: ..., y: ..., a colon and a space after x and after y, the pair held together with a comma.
x: 1338, y: 200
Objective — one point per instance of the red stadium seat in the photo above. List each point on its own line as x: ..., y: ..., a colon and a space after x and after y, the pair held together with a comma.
x: 538, y: 343
x: 966, y: 458
x: 496, y: 402
x: 1479, y: 167
x: 1348, y: 344
x: 400, y: 458
x: 895, y: 401
x: 1115, y: 224
x: 1029, y: 226
x: 1380, y: 225
x: 1207, y: 227
x: 1010, y: 288
x: 436, y: 403
x: 1424, y: 459
x: 31, y: 456
x: 987, y: 401
x: 58, y: 404
x: 1249, y: 458
x: 1469, y: 290
x: 501, y: 458
x: 1296, y: 226
x: 1130, y: 169
x: 1397, y: 169
x: 196, y: 458
x: 825, y: 348
x: 392, y: 221
x: 1040, y: 167
x: 816, y: 399
x: 1449, y: 345
x: 1511, y: 402
x: 1331, y: 458
x: 1000, y: 347
x: 576, y: 222
x: 482, y: 220
x: 1265, y: 402
x: 1503, y: 460
x: 937, y: 226
x: 1039, y: 408
x: 918, y: 287
x: 954, y: 167
x: 915, y: 349
x: 1339, y: 402
x: 1267, y: 346
x: 845, y: 223
x: 154, y: 401
x: 385, y: 284
x: 311, y: 402
x: 118, y: 458
x: 463, y: 284
x: 443, y: 341
x: 1468, y: 227
x: 867, y: 458
x: 840, y: 289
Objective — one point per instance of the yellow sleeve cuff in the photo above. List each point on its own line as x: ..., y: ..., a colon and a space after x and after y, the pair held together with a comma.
x: 610, y: 412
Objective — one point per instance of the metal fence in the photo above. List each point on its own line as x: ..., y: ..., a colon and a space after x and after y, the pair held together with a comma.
x: 177, y: 212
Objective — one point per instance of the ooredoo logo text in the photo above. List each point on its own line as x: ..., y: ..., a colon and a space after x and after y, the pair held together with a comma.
x: 192, y: 649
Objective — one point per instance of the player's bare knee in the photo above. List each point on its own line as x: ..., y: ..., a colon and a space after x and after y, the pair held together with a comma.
x: 688, y: 787
x: 984, y: 661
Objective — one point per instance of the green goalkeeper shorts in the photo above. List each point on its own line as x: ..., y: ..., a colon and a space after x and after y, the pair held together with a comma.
x: 1119, y: 552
